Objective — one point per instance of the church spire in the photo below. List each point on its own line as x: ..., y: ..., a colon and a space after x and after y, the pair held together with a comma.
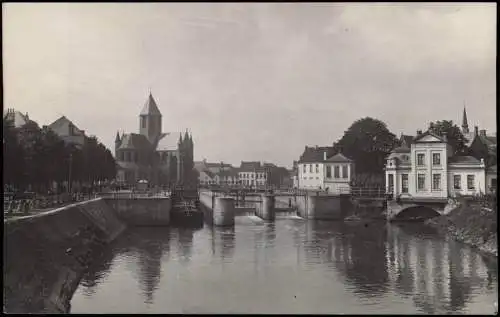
x: 117, y: 139
x: 180, y: 139
x: 465, y: 125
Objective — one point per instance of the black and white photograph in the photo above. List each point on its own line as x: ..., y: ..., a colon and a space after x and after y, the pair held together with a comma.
x: 250, y: 158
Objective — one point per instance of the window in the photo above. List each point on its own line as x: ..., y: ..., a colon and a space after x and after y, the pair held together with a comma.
x: 344, y: 171
x: 328, y: 172
x: 310, y: 168
x: 391, y: 182
x: 336, y: 172
x: 436, y: 159
x: 420, y: 159
x: 305, y: 170
x: 404, y: 183
x: 436, y: 181
x: 470, y: 182
x: 457, y: 182
x: 493, y: 184
x: 143, y: 121
x: 421, y: 182
x: 317, y: 168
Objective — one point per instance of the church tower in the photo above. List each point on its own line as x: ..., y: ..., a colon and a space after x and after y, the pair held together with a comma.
x: 465, y: 125
x: 150, y: 120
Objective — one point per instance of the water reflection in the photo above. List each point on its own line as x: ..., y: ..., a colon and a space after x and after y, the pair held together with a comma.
x: 223, y: 242
x: 394, y: 269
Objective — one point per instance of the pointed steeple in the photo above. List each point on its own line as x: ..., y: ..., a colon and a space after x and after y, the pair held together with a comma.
x: 186, y: 137
x: 465, y: 125
x: 117, y: 139
x: 150, y: 107
x: 180, y: 138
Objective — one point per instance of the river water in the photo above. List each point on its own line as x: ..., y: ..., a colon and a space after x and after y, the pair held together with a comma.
x: 290, y: 266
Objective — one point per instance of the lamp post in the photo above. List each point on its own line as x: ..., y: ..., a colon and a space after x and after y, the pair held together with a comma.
x: 70, y: 167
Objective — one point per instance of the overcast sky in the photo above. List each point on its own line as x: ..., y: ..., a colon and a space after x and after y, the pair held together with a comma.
x: 252, y: 81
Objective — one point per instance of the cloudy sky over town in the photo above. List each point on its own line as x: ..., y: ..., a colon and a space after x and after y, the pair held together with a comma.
x: 251, y: 81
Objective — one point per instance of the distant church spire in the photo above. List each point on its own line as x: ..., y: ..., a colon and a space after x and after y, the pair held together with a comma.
x: 117, y: 139
x: 465, y: 125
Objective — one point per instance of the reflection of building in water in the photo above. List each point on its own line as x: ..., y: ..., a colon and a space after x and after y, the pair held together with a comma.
x: 223, y: 242
x: 438, y: 274
x: 185, y: 243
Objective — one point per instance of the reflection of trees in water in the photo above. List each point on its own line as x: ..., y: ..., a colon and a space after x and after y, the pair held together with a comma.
x: 358, y: 252
x: 147, y: 245
x: 460, y: 289
x: 98, y: 270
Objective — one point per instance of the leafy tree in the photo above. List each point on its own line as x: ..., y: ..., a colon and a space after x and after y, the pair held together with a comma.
x: 13, y: 156
x: 367, y: 142
x: 453, y: 134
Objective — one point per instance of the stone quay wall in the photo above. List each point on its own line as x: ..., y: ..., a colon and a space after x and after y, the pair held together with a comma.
x: 46, y: 255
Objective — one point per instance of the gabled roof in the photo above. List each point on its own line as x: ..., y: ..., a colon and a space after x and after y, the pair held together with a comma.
x: 467, y: 159
x: 168, y: 141
x: 339, y: 158
x: 65, y: 121
x: 428, y: 133
x: 315, y: 154
x: 228, y: 172
x: 150, y: 107
x: 209, y: 173
x: 133, y: 141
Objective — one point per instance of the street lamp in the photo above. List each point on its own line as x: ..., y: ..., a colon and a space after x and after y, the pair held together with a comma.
x: 70, y: 167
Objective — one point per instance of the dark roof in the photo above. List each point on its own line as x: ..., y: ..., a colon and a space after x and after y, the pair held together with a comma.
x: 229, y: 172
x: 418, y: 137
x: 134, y: 141
x: 463, y: 160
x: 315, y: 154
x: 406, y: 139
x: 209, y: 173
x: 249, y: 166
x: 401, y: 149
x: 150, y: 107
x: 339, y: 157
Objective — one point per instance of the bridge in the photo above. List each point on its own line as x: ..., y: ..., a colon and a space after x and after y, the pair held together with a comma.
x: 408, y: 207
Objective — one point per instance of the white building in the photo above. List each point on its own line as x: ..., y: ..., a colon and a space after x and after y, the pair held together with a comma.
x: 318, y: 169
x: 428, y: 169
x: 252, y: 174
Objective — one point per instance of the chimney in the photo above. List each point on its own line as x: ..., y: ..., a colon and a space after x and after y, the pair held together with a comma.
x: 476, y: 130
x: 445, y: 136
x: 324, y: 156
x: 316, y: 147
x: 431, y: 125
x: 482, y: 132
x: 419, y: 132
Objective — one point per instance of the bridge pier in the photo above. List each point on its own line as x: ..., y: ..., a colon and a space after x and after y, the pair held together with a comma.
x: 267, y: 210
x: 223, y: 212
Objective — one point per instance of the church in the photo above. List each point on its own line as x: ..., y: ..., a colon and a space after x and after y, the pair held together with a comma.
x: 162, y: 159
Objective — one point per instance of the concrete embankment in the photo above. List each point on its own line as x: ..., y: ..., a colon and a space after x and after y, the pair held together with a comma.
x: 46, y: 255
x: 471, y: 224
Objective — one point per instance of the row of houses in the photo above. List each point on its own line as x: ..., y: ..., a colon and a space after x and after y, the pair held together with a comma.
x: 422, y: 165
x: 248, y: 174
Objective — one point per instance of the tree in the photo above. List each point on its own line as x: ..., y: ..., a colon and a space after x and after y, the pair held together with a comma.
x: 13, y: 156
x: 367, y: 142
x: 453, y: 134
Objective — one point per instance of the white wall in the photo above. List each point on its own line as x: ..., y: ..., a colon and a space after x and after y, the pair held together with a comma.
x: 311, y: 180
x: 428, y: 169
x: 479, y: 180
x: 338, y: 184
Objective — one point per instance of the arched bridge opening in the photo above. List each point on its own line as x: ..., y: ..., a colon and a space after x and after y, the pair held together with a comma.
x: 416, y: 213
